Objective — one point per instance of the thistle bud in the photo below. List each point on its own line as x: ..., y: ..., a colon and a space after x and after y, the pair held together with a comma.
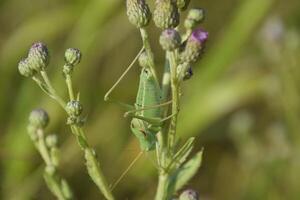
x: 166, y: 14
x: 144, y: 60
x: 38, y: 56
x: 170, y: 39
x: 194, y: 46
x: 51, y: 140
x: 24, y: 68
x: 195, y: 16
x: 189, y: 195
x: 38, y: 118
x: 72, y: 56
x: 182, y: 4
x: 138, y: 12
x: 74, y: 108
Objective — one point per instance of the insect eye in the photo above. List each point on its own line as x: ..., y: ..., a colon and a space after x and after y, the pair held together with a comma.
x: 143, y: 132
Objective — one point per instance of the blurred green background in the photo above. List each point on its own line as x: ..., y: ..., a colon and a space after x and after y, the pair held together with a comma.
x: 242, y: 104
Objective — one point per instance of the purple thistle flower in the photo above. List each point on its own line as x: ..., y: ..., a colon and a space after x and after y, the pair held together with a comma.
x: 194, y: 46
x: 199, y: 35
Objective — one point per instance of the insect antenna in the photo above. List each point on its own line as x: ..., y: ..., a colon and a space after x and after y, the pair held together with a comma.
x: 113, y: 186
x: 106, y: 97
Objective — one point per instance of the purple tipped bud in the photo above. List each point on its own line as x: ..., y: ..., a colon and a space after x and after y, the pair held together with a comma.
x: 189, y: 195
x: 194, y: 46
x: 166, y: 14
x: 38, y: 56
x: 24, y: 68
x: 170, y: 39
x: 138, y: 12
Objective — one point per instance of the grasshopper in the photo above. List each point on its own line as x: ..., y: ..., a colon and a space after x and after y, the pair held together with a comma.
x: 146, y: 113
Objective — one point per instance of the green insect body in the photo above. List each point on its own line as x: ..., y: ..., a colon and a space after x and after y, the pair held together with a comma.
x: 147, y: 122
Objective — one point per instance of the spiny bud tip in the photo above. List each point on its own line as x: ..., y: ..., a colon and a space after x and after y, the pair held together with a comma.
x: 170, y: 39
x: 166, y: 14
x: 138, y: 12
x: 72, y: 56
x: 38, y: 56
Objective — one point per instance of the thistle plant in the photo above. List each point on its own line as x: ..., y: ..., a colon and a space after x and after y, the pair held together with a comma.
x: 154, y: 114
x: 34, y: 67
x: 47, y: 147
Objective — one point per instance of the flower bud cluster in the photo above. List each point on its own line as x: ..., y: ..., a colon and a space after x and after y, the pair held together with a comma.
x: 37, y: 60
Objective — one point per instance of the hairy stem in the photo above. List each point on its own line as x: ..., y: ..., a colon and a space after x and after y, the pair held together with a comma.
x: 70, y: 88
x: 163, y: 192
x: 162, y: 189
x: 61, y: 102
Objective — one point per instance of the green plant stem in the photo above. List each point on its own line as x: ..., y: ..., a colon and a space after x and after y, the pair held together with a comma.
x: 97, y: 175
x: 163, y: 192
x: 70, y: 88
x: 61, y: 102
x: 162, y: 189
x: 149, y: 52
x: 40, y: 145
x: 175, y: 100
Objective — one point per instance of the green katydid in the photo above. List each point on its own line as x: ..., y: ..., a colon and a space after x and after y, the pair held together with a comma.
x: 146, y: 113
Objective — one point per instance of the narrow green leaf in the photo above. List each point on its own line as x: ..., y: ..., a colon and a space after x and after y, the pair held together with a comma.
x: 184, y: 152
x: 184, y: 174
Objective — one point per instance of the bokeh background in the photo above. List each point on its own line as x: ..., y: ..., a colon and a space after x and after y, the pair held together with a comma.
x: 242, y: 104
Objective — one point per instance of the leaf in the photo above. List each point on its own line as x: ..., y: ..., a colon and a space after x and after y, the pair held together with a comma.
x: 184, y: 174
x: 184, y: 152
